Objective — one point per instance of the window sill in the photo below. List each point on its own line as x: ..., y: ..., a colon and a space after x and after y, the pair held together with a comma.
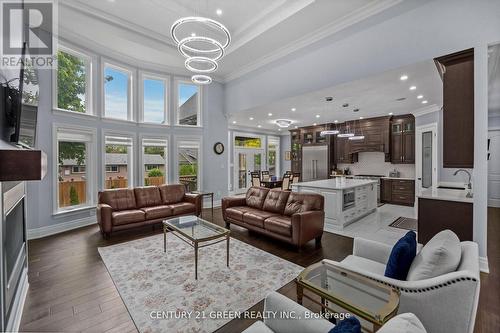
x: 152, y: 125
x: 188, y: 126
x: 73, y: 211
x: 118, y: 121
x: 63, y: 112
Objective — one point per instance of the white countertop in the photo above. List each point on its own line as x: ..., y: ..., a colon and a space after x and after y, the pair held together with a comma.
x: 445, y: 194
x: 400, y: 178
x: 336, y: 184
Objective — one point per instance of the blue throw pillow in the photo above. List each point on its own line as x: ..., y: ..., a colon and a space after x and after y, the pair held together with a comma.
x: 348, y: 325
x: 402, y: 255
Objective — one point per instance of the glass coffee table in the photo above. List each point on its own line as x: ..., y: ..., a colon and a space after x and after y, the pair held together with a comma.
x: 341, y: 290
x: 196, y: 232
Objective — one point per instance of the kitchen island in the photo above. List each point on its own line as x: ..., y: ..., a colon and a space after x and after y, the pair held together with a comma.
x: 346, y: 200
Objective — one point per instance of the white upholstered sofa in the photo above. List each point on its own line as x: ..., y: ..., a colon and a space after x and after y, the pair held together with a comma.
x: 445, y: 303
x: 277, y: 303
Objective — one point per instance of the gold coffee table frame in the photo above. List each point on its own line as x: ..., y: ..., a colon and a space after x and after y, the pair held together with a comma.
x: 219, y: 234
x: 320, y: 270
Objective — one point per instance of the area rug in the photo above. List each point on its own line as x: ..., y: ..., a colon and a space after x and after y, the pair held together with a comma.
x: 159, y: 287
x: 404, y: 223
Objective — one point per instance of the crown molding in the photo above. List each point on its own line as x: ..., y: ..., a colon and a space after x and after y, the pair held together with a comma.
x: 254, y: 130
x: 426, y: 110
x: 315, y: 36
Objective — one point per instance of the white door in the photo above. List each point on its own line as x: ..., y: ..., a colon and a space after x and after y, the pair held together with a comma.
x: 247, y: 160
x: 494, y: 168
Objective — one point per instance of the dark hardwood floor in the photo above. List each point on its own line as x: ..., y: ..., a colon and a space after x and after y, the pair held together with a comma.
x: 71, y: 290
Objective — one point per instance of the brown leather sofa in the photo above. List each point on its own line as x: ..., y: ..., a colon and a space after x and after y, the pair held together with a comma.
x: 129, y: 208
x: 292, y: 217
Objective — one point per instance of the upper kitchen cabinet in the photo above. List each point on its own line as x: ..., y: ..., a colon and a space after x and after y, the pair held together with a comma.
x: 403, y: 140
x: 376, y: 136
x: 457, y: 72
x: 342, y: 151
x: 312, y: 135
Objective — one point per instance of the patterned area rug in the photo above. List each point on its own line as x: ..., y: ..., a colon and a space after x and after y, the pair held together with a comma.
x: 156, y: 286
x: 404, y: 223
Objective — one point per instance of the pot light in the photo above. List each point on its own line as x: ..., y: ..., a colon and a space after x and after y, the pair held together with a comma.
x: 390, y: 113
x: 335, y: 121
x: 315, y: 124
x: 270, y: 114
x: 420, y: 96
x: 234, y: 121
x: 279, y: 129
x: 413, y: 87
x: 360, y: 117
x: 193, y: 34
x: 294, y: 109
x: 424, y: 102
x: 251, y: 118
x: 218, y: 11
x: 404, y: 77
x: 259, y: 126
x: 296, y: 127
x: 317, y: 116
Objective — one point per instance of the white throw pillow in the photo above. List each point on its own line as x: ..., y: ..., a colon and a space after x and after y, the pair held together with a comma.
x: 441, y: 255
x: 403, y: 323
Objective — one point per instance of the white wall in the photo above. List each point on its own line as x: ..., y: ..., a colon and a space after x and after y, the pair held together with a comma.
x: 285, y: 143
x: 435, y: 28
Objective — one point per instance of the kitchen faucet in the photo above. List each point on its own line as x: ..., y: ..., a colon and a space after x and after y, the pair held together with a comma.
x: 469, y: 184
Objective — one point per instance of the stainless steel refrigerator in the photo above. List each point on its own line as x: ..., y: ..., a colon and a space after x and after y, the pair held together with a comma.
x: 314, y: 163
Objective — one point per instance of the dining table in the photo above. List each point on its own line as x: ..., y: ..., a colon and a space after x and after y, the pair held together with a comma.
x: 272, y: 183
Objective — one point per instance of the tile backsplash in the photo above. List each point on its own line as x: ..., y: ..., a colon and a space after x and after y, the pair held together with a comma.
x: 373, y: 163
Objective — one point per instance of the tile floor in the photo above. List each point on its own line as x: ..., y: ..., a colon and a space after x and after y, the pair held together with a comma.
x: 376, y: 225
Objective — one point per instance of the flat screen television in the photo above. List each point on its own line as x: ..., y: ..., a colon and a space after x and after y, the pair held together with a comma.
x: 19, y: 99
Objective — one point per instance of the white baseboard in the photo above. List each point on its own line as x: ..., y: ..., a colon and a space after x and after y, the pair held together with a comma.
x: 483, y: 265
x: 18, y: 305
x: 60, y: 227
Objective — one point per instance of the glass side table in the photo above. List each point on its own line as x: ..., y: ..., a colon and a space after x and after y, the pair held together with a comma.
x: 341, y: 290
x: 203, y: 195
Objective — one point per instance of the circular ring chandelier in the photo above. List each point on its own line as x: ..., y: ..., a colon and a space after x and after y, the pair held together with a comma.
x: 201, y: 79
x: 214, y: 51
x: 201, y: 60
x: 183, y: 46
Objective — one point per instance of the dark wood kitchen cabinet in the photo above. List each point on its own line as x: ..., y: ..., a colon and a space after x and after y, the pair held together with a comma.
x: 403, y: 140
x: 397, y: 191
x: 457, y: 72
x: 343, y: 153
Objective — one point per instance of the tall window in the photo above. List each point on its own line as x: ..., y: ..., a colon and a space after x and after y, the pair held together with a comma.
x: 73, y: 81
x: 188, y: 163
x: 154, y: 100
x: 118, y: 162
x: 154, y: 161
x: 188, y: 104
x: 273, y: 153
x: 117, y: 93
x: 75, y: 179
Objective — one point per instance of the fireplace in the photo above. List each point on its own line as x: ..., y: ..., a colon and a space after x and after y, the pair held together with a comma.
x: 13, y: 258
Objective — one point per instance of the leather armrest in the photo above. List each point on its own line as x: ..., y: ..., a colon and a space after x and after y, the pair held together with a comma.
x: 228, y: 202
x: 307, y: 226
x: 196, y: 199
x: 104, y: 218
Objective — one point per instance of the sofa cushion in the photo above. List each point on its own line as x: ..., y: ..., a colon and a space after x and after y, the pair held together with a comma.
x: 236, y: 213
x: 119, y: 199
x: 276, y: 200
x: 403, y: 323
x: 147, y: 196
x: 363, y: 264
x: 303, y: 202
x: 182, y: 208
x: 128, y: 216
x: 279, y: 224
x: 171, y: 194
x: 255, y: 197
x: 157, y: 212
x: 441, y: 255
x: 256, y: 217
x: 402, y: 255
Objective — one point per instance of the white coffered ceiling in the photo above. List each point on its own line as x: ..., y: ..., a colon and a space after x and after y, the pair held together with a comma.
x: 262, y: 30
x: 374, y: 96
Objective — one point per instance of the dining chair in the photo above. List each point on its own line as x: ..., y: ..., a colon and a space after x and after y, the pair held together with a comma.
x: 285, y: 185
x: 265, y: 176
x: 256, y: 179
x: 295, y: 177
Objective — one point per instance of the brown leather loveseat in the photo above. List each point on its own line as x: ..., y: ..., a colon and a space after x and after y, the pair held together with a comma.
x: 129, y: 208
x: 292, y: 217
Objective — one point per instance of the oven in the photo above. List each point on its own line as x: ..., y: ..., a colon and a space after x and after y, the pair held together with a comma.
x: 349, y: 199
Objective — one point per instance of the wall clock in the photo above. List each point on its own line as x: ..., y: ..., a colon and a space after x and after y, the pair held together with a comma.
x: 218, y: 148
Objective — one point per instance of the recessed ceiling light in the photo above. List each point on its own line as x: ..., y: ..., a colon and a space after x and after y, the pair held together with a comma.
x: 234, y: 121
x: 420, y: 96
x: 404, y: 77
x: 360, y: 117
x: 251, y: 118
x: 269, y: 114
x: 294, y: 109
x: 296, y: 126
x: 345, y: 105
x: 317, y: 116
x: 335, y: 121
x: 218, y: 11
x: 390, y: 113
x: 424, y: 102
x: 413, y: 87
x: 193, y: 34
x: 259, y: 126
x: 355, y: 110
x: 315, y: 124
x: 279, y: 129
x: 328, y: 98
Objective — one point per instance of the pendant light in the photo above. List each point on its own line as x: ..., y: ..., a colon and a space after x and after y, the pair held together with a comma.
x: 358, y: 136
